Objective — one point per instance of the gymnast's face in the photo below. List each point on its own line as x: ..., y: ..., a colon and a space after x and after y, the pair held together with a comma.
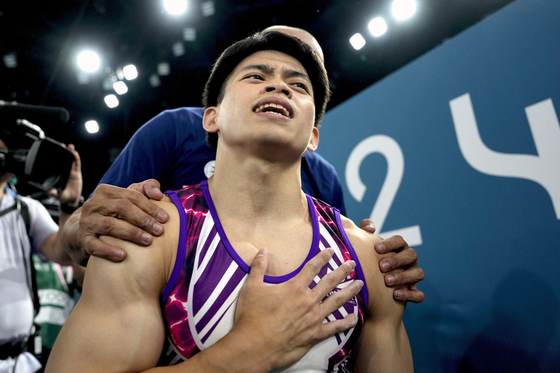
x: 268, y: 103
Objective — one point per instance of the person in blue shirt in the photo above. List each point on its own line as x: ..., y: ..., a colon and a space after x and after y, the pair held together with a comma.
x: 184, y: 158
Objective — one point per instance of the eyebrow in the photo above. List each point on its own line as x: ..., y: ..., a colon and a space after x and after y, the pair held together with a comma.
x: 267, y: 69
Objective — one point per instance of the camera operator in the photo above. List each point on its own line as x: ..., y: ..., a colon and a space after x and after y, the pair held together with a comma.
x: 17, y: 242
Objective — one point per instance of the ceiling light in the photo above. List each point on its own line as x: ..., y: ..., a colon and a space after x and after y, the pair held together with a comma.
x: 189, y: 34
x: 88, y: 61
x: 377, y: 26
x: 357, y: 41
x: 10, y: 60
x: 92, y: 126
x: 154, y: 80
x: 178, y: 49
x: 112, y: 101
x: 208, y: 8
x: 403, y: 9
x: 130, y: 72
x: 120, y: 87
x: 175, y: 7
x: 163, y: 68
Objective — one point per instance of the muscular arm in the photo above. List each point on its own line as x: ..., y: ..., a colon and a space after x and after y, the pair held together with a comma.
x: 117, y: 325
x: 383, y: 345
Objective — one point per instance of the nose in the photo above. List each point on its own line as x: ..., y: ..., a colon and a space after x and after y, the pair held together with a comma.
x: 279, y: 86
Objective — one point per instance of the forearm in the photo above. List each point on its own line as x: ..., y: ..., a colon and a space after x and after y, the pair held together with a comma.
x: 238, y: 351
x: 384, y: 348
x: 54, y: 251
x: 67, y: 238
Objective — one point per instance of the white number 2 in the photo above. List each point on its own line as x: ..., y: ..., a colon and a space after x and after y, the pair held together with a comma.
x: 392, y: 152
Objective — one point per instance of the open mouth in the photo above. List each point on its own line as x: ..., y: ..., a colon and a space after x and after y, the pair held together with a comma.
x: 273, y: 108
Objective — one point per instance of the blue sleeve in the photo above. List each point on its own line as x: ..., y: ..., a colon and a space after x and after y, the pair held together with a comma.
x: 147, y: 155
x: 320, y: 180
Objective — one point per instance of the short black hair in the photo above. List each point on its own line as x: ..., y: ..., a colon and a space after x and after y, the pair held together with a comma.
x: 266, y: 40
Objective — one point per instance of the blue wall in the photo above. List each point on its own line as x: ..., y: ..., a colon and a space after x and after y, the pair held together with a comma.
x: 459, y: 152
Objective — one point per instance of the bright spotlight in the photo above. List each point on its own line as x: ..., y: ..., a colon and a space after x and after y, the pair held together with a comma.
x: 111, y: 101
x: 130, y: 72
x: 92, y: 126
x: 403, y: 9
x: 120, y: 87
x: 88, y: 61
x: 357, y: 41
x: 175, y: 7
x: 377, y: 26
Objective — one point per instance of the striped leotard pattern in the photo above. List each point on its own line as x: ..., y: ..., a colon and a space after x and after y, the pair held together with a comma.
x: 198, y: 303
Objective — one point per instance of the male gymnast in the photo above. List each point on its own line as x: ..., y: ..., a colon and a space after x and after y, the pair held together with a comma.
x: 264, y: 100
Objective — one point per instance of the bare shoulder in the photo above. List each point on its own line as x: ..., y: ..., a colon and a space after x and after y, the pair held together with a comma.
x: 363, y: 243
x: 154, y: 262
x: 380, y: 297
x: 361, y: 237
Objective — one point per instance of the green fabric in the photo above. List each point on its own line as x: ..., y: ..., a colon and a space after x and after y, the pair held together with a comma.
x: 57, y: 298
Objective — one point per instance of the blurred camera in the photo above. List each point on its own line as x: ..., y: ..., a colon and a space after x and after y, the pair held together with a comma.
x: 30, y: 155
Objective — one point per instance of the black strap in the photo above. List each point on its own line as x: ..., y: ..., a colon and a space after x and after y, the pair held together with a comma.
x: 11, y: 350
x: 6, y: 210
x: 24, y: 212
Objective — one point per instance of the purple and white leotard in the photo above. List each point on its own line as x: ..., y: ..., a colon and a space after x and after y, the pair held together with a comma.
x: 199, y: 300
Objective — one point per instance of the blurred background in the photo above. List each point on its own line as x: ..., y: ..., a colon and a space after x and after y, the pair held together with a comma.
x: 41, y: 42
x: 443, y: 128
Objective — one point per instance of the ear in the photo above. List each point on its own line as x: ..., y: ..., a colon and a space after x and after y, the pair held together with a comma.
x: 314, y: 140
x: 210, y: 119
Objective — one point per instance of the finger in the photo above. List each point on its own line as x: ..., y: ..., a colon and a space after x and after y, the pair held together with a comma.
x: 313, y: 267
x: 132, y: 193
x: 119, y: 228
x: 411, y: 295
x: 147, y: 187
x: 367, y: 225
x: 96, y: 247
x: 131, y: 206
x: 337, y: 326
x: 332, y: 280
x: 405, y: 258
x: 77, y: 165
x: 409, y: 277
x: 152, y: 189
x: 339, y: 298
x: 258, y: 267
x: 394, y: 243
